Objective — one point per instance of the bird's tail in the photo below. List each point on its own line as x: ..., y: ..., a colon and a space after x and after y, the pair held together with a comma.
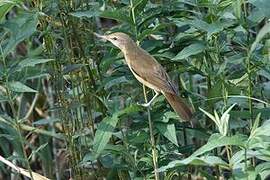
x: 179, y: 106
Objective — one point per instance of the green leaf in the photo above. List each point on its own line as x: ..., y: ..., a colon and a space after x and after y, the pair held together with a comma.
x: 255, y: 125
x: 3, y: 98
x: 262, y: 5
x: 7, y: 120
x: 224, y: 121
x: 117, y: 15
x: 3, y: 2
x: 115, y: 81
x: 168, y: 130
x: 115, y: 148
x: 46, y: 121
x: 263, y: 169
x: 240, y: 156
x: 256, y: 16
x: 169, y: 115
x: 104, y: 133
x: 198, y: 161
x: 146, y: 20
x: 30, y: 62
x: 192, y: 49
x: 72, y: 68
x: 212, y: 28
x: 258, y: 134
x: 20, y: 28
x: 19, y: 87
x: 40, y: 148
x: 106, y: 129
x: 265, y: 30
x: 153, y: 30
x: 41, y: 131
x: 237, y: 8
x: 217, y: 140
x: 213, y: 118
x: 88, y: 13
x: 5, y: 7
x: 138, y: 7
x: 139, y: 138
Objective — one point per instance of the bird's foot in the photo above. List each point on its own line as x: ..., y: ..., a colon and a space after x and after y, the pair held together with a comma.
x: 147, y: 105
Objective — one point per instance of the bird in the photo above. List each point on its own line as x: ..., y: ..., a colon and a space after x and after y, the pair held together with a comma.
x: 148, y: 71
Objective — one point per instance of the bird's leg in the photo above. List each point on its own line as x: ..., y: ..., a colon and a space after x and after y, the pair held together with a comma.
x: 150, y: 102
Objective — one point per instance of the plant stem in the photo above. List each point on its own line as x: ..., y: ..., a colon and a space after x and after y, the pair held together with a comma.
x: 15, y: 115
x: 134, y: 18
x: 152, y: 138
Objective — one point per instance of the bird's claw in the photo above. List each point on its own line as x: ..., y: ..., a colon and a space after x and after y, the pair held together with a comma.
x: 147, y: 105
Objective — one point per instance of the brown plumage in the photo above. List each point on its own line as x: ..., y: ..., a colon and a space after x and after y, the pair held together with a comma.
x: 179, y: 106
x: 149, y: 72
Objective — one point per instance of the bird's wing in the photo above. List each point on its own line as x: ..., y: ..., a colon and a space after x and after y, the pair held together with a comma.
x: 147, y: 68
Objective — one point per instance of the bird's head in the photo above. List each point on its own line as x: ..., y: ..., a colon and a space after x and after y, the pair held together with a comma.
x: 119, y: 39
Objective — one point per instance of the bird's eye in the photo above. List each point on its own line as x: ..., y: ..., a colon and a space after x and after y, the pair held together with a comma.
x: 114, y: 38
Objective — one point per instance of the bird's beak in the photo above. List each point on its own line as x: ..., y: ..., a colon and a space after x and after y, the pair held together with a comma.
x: 103, y: 37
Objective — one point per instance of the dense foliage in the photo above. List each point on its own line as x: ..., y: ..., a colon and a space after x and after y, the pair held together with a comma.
x: 68, y: 102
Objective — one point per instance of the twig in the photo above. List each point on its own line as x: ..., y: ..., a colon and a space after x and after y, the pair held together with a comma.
x: 152, y: 138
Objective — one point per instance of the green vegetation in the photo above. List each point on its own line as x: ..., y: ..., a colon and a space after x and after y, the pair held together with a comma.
x: 68, y: 102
